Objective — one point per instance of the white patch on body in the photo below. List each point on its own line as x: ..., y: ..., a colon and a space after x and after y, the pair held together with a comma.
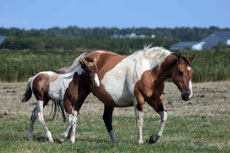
x: 32, y: 79
x: 189, y: 68
x: 120, y: 81
x: 58, y: 87
x: 190, y: 87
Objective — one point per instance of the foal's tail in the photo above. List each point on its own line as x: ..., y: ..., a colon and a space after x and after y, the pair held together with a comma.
x: 27, y: 95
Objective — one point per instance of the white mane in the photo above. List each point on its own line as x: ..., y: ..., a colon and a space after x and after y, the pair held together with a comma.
x: 154, y: 55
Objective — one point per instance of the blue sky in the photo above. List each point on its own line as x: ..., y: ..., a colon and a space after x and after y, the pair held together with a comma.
x: 114, y: 13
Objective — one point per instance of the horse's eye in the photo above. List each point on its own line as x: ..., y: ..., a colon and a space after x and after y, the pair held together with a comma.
x: 180, y: 72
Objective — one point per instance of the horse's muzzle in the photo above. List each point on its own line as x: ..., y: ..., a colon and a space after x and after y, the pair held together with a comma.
x: 186, y: 95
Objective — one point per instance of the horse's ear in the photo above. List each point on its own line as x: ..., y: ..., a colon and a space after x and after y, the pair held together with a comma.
x: 191, y: 58
x: 178, y: 56
x: 83, y: 61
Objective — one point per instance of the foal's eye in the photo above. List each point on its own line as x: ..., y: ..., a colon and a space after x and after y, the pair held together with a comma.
x: 180, y: 72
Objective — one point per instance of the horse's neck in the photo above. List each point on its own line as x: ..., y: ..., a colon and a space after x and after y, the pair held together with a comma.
x: 165, y: 70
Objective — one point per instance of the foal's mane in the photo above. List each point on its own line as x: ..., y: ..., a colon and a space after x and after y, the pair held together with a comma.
x: 72, y: 67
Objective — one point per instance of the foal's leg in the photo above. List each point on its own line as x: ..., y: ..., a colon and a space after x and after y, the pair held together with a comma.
x: 159, y: 108
x: 32, y: 120
x: 72, y: 117
x: 77, y: 107
x: 138, y: 107
x: 107, y: 117
x: 39, y: 115
x: 68, y: 109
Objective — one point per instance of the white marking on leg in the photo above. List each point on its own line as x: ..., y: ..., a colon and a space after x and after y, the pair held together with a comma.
x: 190, y: 87
x: 73, y: 124
x: 40, y: 117
x: 164, y: 117
x: 139, y: 122
x: 96, y: 79
x: 159, y: 133
x: 112, y: 135
x: 66, y: 132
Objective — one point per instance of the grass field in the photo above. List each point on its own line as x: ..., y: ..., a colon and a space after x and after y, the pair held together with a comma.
x: 18, y: 66
x: 200, y: 125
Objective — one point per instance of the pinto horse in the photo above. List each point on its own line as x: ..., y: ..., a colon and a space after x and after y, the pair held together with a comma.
x: 138, y: 78
x: 49, y: 85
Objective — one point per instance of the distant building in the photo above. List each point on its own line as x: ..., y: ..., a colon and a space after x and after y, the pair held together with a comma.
x: 2, y: 38
x: 182, y: 45
x: 208, y: 42
x: 131, y: 35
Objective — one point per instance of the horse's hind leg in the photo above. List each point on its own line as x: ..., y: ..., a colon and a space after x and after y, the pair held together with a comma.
x: 159, y: 108
x: 107, y: 117
x: 39, y: 114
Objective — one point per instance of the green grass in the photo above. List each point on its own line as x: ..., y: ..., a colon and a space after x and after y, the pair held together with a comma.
x: 209, y: 65
x: 181, y: 134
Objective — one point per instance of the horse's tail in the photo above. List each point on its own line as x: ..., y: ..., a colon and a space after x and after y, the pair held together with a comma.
x: 27, y: 95
x: 56, y: 107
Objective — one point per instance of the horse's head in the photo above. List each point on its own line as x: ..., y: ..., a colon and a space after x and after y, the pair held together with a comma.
x: 91, y: 70
x: 182, y: 76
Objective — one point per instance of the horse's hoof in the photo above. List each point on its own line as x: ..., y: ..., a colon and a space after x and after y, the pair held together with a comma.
x: 153, y: 139
x: 140, y: 142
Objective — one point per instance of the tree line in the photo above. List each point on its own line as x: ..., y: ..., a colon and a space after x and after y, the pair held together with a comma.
x: 74, y: 37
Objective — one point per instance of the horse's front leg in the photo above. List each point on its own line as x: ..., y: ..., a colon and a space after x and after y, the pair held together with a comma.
x: 158, y: 107
x: 138, y: 107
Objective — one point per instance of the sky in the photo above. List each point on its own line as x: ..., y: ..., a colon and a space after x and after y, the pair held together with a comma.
x: 43, y: 14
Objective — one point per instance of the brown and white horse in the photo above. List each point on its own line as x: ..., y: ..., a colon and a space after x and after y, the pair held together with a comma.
x: 139, y: 78
x: 49, y: 85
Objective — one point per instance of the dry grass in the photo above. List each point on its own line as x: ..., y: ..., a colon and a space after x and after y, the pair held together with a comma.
x: 209, y: 99
x: 200, y: 125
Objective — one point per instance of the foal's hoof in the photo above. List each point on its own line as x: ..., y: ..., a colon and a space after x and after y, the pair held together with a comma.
x: 51, y: 140
x: 72, y: 140
x: 62, y: 139
x: 153, y: 139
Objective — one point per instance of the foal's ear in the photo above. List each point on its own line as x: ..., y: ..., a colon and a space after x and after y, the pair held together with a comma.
x: 83, y: 61
x: 178, y: 56
x: 191, y: 58
x: 94, y: 60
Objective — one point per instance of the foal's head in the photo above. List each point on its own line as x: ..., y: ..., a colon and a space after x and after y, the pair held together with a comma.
x: 182, y: 76
x: 91, y: 70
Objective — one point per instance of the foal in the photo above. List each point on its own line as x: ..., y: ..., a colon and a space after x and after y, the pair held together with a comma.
x: 49, y: 85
